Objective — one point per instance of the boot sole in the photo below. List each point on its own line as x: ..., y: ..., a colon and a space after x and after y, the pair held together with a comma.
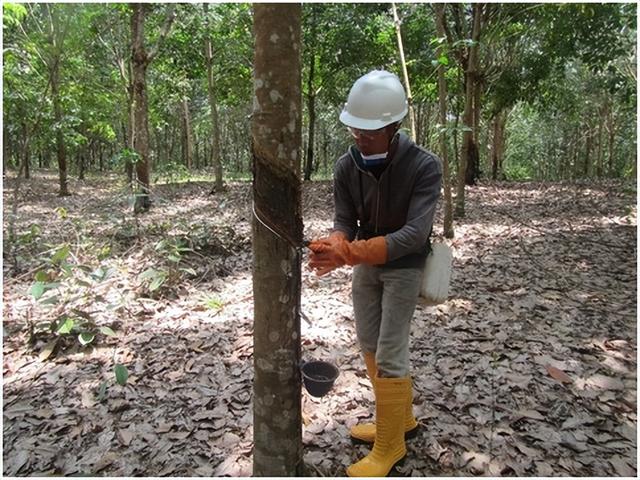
x: 408, y: 435
x: 393, y: 472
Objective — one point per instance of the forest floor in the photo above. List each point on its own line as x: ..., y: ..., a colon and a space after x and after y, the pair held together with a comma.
x: 529, y: 369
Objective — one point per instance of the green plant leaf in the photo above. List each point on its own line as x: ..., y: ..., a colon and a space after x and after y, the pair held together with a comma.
x: 107, y: 331
x: 157, y: 282
x: 102, y: 391
x: 61, y: 254
x: 174, y: 258
x: 37, y: 290
x: 41, y: 276
x: 121, y: 374
x: 151, y: 273
x: 85, y: 338
x: 65, y: 327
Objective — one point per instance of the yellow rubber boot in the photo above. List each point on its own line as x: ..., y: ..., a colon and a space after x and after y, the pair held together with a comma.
x: 388, y: 448
x: 366, y: 432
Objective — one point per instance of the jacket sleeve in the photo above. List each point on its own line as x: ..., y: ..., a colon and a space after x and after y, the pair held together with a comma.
x: 412, y: 237
x: 346, y: 216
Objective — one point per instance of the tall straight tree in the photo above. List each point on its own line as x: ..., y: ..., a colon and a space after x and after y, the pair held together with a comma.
x: 442, y: 119
x: 468, y: 145
x: 213, y: 103
x: 56, y: 34
x: 277, y: 235
x: 140, y: 60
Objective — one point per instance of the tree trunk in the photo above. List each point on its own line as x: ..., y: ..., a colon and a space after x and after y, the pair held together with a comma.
x: 57, y: 113
x: 140, y: 60
x: 412, y: 116
x: 81, y: 165
x: 587, y: 153
x: 611, y: 129
x: 213, y: 104
x: 276, y: 135
x: 25, y: 151
x: 604, y: 113
x: 497, y: 150
x: 187, y: 152
x: 311, y: 100
x: 472, y: 171
x: 140, y: 109
x: 442, y: 120
x: 473, y: 161
x: 468, y: 149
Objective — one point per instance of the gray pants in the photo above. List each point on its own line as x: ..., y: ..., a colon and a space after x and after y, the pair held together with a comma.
x: 384, y: 300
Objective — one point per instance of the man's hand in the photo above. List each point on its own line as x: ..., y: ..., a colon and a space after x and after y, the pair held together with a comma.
x: 325, y: 255
x: 333, y: 252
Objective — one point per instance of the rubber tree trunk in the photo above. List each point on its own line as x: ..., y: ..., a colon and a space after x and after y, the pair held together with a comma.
x: 611, y: 130
x: 213, y: 106
x: 473, y: 160
x: 140, y: 60
x: 442, y: 120
x: 25, y: 151
x: 187, y: 151
x: 61, y: 153
x: 467, y: 137
x: 139, y: 65
x: 276, y: 134
x: 497, y: 150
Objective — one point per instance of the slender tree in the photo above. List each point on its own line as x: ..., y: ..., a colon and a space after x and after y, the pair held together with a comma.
x: 56, y: 35
x: 277, y: 236
x: 468, y: 145
x: 141, y: 58
x: 442, y: 118
x: 213, y: 104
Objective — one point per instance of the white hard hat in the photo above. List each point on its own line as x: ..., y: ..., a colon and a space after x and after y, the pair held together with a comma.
x: 375, y: 100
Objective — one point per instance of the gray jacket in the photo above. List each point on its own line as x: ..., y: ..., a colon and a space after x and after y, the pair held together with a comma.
x: 400, y: 205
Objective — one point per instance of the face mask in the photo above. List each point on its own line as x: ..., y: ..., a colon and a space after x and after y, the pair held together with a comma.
x: 375, y: 159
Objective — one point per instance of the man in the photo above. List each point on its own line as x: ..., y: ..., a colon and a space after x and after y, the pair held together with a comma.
x: 385, y: 192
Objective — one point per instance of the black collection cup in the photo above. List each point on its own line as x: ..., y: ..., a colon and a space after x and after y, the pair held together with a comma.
x: 318, y: 377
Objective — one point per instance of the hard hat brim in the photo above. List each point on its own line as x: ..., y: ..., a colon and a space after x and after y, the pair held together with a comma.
x: 368, y: 124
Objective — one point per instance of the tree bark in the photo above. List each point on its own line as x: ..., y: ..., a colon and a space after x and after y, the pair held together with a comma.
x: 140, y: 60
x: 213, y: 104
x: 468, y: 146
x: 57, y: 114
x: 187, y: 152
x: 442, y: 120
x: 311, y: 98
x: 587, y: 153
x: 25, y: 151
x: 611, y: 129
x: 497, y: 150
x: 276, y: 147
x: 412, y: 116
x: 473, y: 161
x: 604, y: 113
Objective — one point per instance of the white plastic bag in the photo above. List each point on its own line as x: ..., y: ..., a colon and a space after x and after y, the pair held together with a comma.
x: 437, y: 273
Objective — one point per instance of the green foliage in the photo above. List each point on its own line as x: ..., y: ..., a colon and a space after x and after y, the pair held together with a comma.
x: 172, y: 172
x: 548, y: 56
x: 213, y: 303
x: 171, y: 253
x: 57, y: 287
